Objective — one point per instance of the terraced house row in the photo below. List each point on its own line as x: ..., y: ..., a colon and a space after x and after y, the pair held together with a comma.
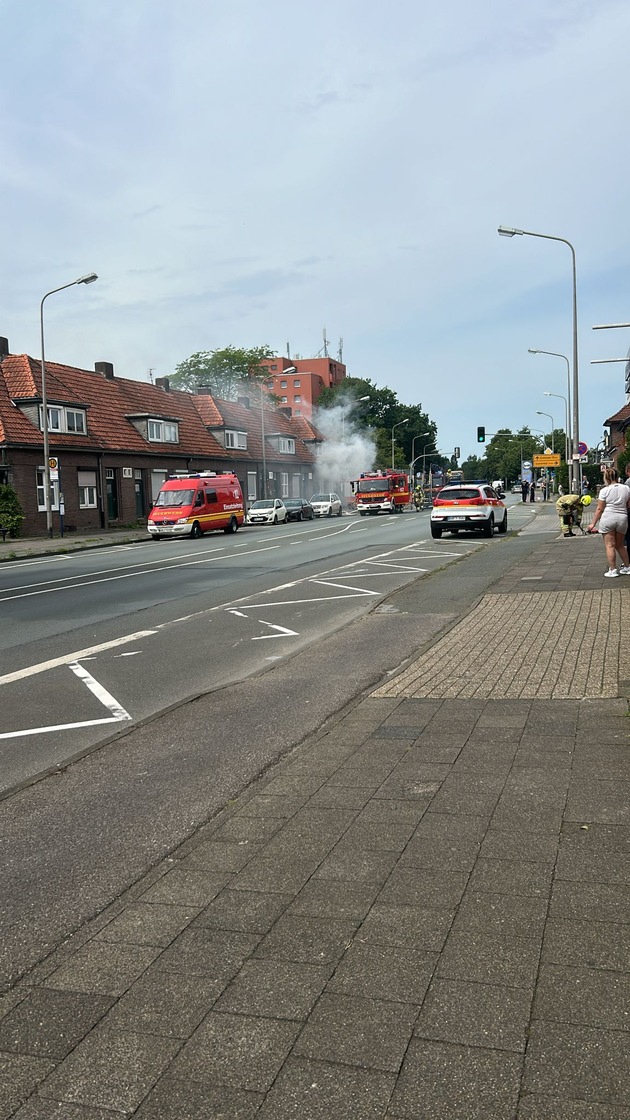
x: 116, y: 440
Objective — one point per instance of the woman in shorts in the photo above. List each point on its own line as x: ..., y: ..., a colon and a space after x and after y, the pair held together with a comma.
x: 611, y: 520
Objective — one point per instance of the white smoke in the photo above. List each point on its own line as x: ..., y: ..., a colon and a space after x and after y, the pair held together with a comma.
x: 348, y: 450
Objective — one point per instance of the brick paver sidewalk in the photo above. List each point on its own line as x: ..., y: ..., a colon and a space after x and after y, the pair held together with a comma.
x: 423, y: 913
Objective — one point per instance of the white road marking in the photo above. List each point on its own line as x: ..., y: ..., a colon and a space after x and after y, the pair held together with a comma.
x: 329, y: 583
x: 118, y: 713
x: 102, y: 572
x: 239, y: 614
x: 106, y: 699
x: 283, y: 632
x: 78, y: 655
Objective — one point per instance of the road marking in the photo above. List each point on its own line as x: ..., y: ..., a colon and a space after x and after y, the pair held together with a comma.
x: 106, y: 699
x: 329, y: 583
x: 78, y: 655
x: 118, y: 713
x: 284, y: 632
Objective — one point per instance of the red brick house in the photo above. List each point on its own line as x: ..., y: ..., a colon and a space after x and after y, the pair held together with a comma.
x: 617, y: 424
x: 117, y: 440
x: 301, y: 389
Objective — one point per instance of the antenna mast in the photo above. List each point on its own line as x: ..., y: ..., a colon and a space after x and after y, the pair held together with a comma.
x: 340, y: 352
x: 325, y: 343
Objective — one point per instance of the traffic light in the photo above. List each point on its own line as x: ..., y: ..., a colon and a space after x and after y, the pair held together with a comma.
x: 456, y: 453
x: 481, y: 435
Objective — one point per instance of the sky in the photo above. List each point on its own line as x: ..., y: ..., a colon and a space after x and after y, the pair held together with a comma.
x: 251, y: 173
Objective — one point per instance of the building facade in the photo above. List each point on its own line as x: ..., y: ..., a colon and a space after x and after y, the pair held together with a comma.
x: 300, y: 389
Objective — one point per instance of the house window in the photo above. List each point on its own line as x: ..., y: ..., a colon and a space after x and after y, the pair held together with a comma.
x: 296, y: 384
x: 283, y: 399
x: 284, y: 483
x: 286, y: 446
x: 283, y: 384
x: 297, y: 412
x: 54, y: 492
x: 64, y: 420
x: 162, y: 431
x: 236, y: 439
x: 87, y: 489
x: 273, y: 367
x: 297, y: 398
x: 75, y: 421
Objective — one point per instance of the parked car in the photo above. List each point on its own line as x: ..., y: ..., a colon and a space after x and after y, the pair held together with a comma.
x: 325, y: 505
x: 298, y: 509
x: 517, y: 488
x: 267, y: 511
x: 470, y: 507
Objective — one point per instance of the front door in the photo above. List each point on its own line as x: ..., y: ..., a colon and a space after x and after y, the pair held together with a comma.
x: 111, y: 490
x: 138, y: 487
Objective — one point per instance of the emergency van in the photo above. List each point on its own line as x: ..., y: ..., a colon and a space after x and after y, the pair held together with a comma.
x: 189, y: 505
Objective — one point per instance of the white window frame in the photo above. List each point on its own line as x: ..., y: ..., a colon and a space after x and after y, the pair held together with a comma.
x: 296, y: 384
x: 74, y: 414
x: 284, y: 484
x: 235, y: 439
x: 58, y: 416
x: 286, y: 446
x: 86, y: 482
x: 40, y: 481
x: 162, y: 431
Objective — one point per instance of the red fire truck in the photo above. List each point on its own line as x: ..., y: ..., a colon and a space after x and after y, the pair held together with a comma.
x: 381, y: 492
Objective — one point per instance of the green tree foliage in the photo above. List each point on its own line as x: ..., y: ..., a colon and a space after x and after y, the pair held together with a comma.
x: 11, y: 512
x: 223, y: 371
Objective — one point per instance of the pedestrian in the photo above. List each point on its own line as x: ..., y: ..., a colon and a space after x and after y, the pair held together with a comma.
x: 532, y: 491
x: 524, y: 489
x: 611, y: 520
x: 585, y: 485
x: 627, y: 482
x: 560, y: 490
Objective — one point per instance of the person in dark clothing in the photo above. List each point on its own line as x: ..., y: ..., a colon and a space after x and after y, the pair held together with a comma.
x: 532, y: 491
x: 524, y: 489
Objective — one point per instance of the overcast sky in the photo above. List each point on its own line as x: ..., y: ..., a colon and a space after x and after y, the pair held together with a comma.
x: 251, y: 172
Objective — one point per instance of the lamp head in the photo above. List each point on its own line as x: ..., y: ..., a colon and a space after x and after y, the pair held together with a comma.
x: 89, y: 279
x: 508, y: 231
x: 364, y: 398
x: 289, y: 369
x: 530, y: 351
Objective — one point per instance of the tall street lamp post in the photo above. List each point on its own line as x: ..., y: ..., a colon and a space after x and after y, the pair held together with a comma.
x: 289, y: 369
x: 554, y: 354
x: 398, y: 425
x: 89, y: 279
x: 508, y: 231
x: 566, y: 413
x: 548, y: 414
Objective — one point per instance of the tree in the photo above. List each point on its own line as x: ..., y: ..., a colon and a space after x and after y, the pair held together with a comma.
x: 222, y: 371
x: 11, y: 512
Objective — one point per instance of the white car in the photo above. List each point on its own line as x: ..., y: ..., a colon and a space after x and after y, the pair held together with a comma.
x: 267, y: 511
x: 470, y: 506
x: 325, y: 505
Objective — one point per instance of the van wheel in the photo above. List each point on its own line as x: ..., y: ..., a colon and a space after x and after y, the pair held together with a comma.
x: 232, y: 527
x: 195, y: 532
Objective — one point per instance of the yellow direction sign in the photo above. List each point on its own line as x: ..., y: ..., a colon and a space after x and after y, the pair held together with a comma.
x: 546, y: 460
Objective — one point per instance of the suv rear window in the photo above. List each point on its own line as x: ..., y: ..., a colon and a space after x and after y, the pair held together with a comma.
x: 453, y: 493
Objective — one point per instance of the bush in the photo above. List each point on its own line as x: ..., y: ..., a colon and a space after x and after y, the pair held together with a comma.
x: 11, y: 512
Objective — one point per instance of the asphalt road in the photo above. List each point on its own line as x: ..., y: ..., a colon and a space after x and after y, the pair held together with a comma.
x: 93, y: 641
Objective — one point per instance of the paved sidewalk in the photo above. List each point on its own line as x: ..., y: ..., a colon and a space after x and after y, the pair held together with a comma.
x: 423, y: 912
x: 24, y: 547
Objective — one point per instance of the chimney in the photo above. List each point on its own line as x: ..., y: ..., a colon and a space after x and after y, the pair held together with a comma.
x: 4, y: 348
x: 105, y: 369
x: 163, y: 383
x: 243, y: 401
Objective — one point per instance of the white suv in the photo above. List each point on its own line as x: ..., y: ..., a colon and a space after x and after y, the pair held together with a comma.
x: 472, y: 506
x: 325, y: 505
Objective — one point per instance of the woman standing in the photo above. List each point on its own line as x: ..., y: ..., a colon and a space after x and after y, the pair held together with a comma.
x: 611, y: 520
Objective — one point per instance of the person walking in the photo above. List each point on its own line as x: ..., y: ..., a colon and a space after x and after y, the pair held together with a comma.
x: 524, y: 489
x: 611, y: 520
x: 532, y: 491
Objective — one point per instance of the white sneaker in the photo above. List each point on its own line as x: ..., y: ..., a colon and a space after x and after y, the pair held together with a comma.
x: 624, y: 571
x: 612, y: 573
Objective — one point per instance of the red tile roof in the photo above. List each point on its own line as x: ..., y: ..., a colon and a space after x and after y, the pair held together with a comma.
x: 239, y: 418
x: 619, y: 417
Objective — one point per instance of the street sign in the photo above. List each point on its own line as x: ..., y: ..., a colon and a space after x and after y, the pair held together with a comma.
x: 546, y: 461
x: 53, y: 463
x: 582, y: 448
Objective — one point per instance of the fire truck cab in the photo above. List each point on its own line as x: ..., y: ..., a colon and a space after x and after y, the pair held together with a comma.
x: 381, y: 492
x: 188, y: 505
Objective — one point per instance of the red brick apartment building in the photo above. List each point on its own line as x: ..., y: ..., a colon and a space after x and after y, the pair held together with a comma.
x: 299, y: 390
x: 117, y: 440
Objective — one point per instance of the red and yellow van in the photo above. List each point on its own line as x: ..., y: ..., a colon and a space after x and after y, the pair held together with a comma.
x: 189, y: 505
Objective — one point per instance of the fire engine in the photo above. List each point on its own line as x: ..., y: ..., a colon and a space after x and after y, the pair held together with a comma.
x: 381, y: 492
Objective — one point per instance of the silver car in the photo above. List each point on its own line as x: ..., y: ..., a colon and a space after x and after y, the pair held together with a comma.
x: 326, y: 505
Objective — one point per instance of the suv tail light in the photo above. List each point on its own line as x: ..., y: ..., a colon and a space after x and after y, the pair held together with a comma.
x: 477, y: 502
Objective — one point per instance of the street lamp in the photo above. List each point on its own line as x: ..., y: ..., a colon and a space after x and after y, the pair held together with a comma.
x: 89, y: 279
x: 398, y: 425
x: 508, y: 231
x: 358, y: 400
x: 539, y: 413
x: 566, y: 413
x: 554, y: 354
x: 289, y: 369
